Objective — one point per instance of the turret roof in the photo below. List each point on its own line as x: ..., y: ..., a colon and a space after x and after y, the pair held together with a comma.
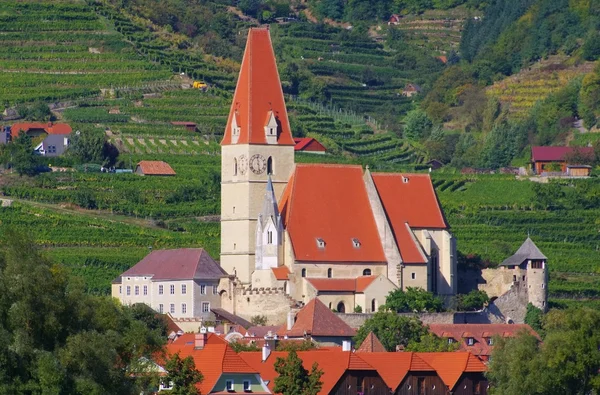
x: 528, y: 250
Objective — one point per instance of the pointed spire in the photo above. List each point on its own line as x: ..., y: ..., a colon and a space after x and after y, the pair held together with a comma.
x: 258, y: 92
x: 270, y: 209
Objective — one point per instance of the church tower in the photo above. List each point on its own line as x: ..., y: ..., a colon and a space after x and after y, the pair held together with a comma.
x: 257, y: 152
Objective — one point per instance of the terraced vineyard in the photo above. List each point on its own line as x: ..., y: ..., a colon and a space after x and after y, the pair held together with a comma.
x: 520, y: 92
x: 438, y: 31
x: 56, y: 51
x: 492, y: 215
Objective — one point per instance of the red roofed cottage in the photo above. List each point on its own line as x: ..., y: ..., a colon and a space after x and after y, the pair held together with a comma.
x: 50, y: 139
x: 543, y: 158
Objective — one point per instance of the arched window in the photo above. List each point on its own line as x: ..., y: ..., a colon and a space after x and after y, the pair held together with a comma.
x: 235, y: 166
x: 270, y: 165
x: 373, y: 306
x: 367, y: 272
x: 329, y: 273
x: 303, y: 272
x: 435, y: 269
x: 341, y: 307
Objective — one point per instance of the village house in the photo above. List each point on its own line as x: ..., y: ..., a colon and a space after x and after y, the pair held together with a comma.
x: 154, y: 168
x: 344, y: 372
x: 190, y: 126
x: 49, y: 139
x: 478, y: 339
x: 411, y: 90
x: 309, y: 145
x: 183, y: 283
x: 560, y: 159
x: 394, y: 19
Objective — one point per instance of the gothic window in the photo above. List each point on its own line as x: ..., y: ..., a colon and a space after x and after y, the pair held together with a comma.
x: 341, y: 307
x: 303, y: 272
x: 269, y: 237
x: 235, y: 166
x: 373, y: 306
x: 270, y: 166
x: 435, y: 267
x: 367, y: 272
x: 329, y: 273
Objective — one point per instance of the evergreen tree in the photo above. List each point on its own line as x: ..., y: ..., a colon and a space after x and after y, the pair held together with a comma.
x: 294, y: 379
x: 182, y: 374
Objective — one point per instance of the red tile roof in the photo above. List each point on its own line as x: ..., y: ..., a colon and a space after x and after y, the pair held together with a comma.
x: 451, y: 365
x: 315, y: 205
x: 358, y: 284
x: 480, y: 333
x: 281, y: 272
x: 308, y: 143
x: 556, y: 154
x: 214, y: 359
x: 258, y: 91
x: 50, y: 128
x: 371, y: 344
x: 179, y: 264
x: 315, y: 319
x: 391, y: 366
x: 410, y: 202
x: 334, y: 364
x: 155, y: 168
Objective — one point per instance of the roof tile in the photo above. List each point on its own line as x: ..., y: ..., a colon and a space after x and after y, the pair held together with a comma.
x: 50, y: 128
x: 316, y: 319
x: 156, y: 168
x: 556, y: 154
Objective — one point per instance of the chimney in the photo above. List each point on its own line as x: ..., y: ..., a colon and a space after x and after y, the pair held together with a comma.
x: 290, y: 320
x: 200, y: 339
x: 346, y: 345
x: 266, y: 351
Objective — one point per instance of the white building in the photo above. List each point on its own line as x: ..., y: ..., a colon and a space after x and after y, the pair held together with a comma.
x: 182, y: 282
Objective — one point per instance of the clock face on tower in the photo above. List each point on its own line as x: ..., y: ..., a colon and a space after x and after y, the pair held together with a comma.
x: 258, y: 164
x: 243, y: 164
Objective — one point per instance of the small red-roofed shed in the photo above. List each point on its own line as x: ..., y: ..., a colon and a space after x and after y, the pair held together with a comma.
x: 310, y: 145
x: 154, y: 168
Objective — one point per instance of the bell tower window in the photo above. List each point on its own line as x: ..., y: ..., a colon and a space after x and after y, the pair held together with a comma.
x: 271, y: 128
x: 235, y: 129
x: 235, y: 166
x: 270, y: 166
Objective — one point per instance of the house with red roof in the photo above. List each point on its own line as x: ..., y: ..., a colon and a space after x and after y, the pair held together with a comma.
x: 309, y: 145
x: 181, y: 282
x: 49, y: 139
x: 319, y: 221
x: 478, y: 339
x: 568, y: 159
x: 154, y: 168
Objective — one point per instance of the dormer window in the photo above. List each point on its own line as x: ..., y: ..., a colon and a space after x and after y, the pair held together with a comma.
x: 247, y: 386
x: 229, y: 385
x: 450, y: 340
x: 235, y: 128
x: 490, y: 341
x: 271, y: 127
x: 320, y: 243
x: 470, y: 341
x: 356, y: 243
x: 405, y: 180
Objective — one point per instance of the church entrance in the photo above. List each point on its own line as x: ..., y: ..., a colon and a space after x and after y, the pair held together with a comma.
x: 341, y: 308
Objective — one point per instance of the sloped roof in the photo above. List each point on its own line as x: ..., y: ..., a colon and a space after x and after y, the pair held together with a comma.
x: 179, y: 264
x: 480, y: 333
x: 316, y: 204
x: 156, y: 168
x: 333, y: 363
x: 316, y: 319
x: 410, y: 202
x: 50, y: 128
x: 371, y: 344
x: 258, y: 91
x: 303, y: 142
x: 556, y: 154
x: 451, y: 365
x: 528, y: 250
x: 214, y: 359
x: 281, y: 272
x: 234, y: 319
x: 393, y: 366
x: 358, y: 284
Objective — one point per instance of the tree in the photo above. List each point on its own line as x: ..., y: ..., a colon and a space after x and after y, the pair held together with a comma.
x: 534, y: 317
x: 430, y: 342
x: 416, y: 125
x: 91, y: 146
x: 413, y: 300
x: 294, y: 379
x: 567, y: 362
x: 182, y: 374
x: 391, y: 329
x: 20, y: 155
x: 38, y: 111
x: 260, y: 320
x: 474, y: 300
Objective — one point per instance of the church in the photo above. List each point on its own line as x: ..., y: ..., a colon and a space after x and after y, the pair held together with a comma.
x: 341, y: 233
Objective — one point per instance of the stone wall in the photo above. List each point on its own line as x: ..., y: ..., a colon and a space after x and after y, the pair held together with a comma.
x: 272, y: 303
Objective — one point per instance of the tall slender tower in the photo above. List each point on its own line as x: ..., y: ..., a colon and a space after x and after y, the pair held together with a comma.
x: 257, y: 144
